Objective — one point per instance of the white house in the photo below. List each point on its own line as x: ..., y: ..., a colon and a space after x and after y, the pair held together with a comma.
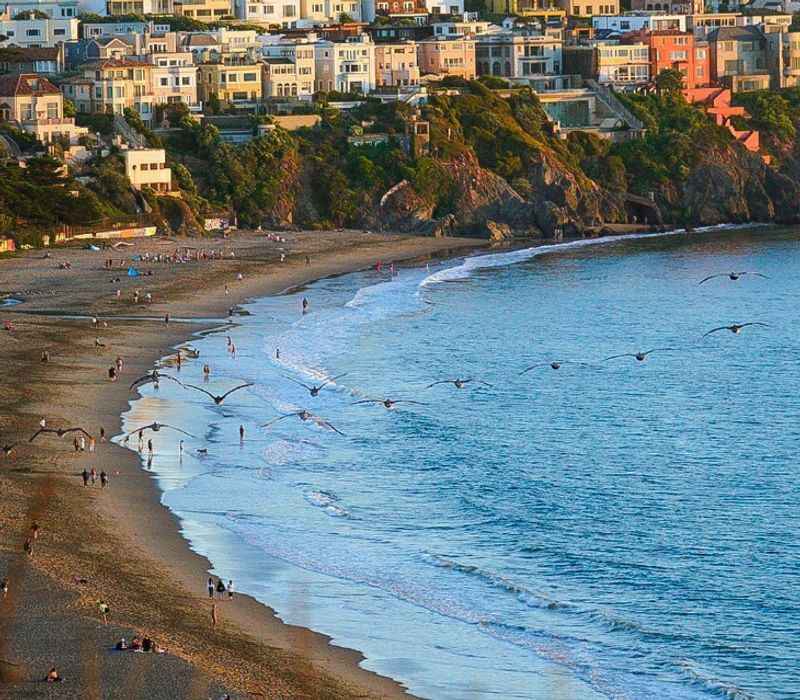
x: 55, y: 9
x: 634, y: 21
x: 345, y: 66
x: 36, y: 33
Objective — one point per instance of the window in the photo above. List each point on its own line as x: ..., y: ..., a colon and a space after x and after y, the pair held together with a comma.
x: 677, y: 56
x: 250, y: 77
x: 186, y: 80
x: 239, y: 95
x: 32, y: 32
x: 59, y: 32
x: 27, y: 112
x: 164, y: 82
x: 288, y: 10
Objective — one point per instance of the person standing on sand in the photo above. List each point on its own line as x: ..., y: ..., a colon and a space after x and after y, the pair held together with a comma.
x: 210, y: 587
x: 85, y: 476
x: 103, y: 479
x: 230, y: 589
x: 150, y: 446
x: 102, y: 434
x: 93, y: 475
x: 213, y: 614
x: 104, y: 611
x: 76, y: 444
x: 28, y: 547
x: 4, y: 586
x: 221, y: 588
x: 35, y: 531
x: 305, y: 305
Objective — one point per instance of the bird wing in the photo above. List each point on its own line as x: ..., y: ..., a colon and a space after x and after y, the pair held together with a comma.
x: 757, y: 274
x: 366, y: 401
x: 164, y: 425
x: 174, y: 379
x: 325, y: 424
x: 714, y: 330
x: 305, y: 386
x: 332, y: 379
x: 538, y: 364
x: 40, y: 431
x: 443, y: 381
x: 418, y: 403
x: 754, y: 323
x: 279, y: 418
x: 241, y: 386
x: 78, y: 430
x: 658, y: 350
x: 624, y: 354
x: 192, y: 386
x: 142, y: 380
x: 711, y: 277
x: 480, y: 381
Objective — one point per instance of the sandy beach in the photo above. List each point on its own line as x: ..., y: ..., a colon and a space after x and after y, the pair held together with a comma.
x: 119, y: 545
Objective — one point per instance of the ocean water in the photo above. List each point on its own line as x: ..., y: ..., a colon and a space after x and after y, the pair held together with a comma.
x: 615, y: 529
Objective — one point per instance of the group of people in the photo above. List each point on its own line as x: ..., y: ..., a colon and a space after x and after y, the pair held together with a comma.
x: 140, y: 644
x: 219, y: 588
x: 91, y: 476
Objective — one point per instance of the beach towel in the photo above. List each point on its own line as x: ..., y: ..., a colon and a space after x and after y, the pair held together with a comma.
x: 133, y: 272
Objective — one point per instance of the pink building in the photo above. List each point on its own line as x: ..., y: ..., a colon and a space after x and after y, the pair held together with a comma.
x: 396, y: 64
x: 447, y: 57
x: 717, y: 104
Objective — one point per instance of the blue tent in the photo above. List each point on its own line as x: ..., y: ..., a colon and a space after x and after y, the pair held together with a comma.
x: 133, y: 272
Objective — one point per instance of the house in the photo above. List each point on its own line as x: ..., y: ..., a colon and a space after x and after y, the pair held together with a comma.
x: 37, y: 106
x: 205, y: 10
x: 55, y: 9
x: 345, y: 66
x: 783, y: 59
x: 446, y: 57
x: 623, y: 65
x: 518, y: 55
x: 393, y: 33
x: 444, y: 7
x: 459, y: 27
x: 174, y: 77
x: 44, y: 61
x: 147, y: 167
x: 717, y: 104
x: 284, y: 13
x: 676, y: 7
x: 396, y: 64
x: 702, y: 24
x: 111, y: 86
x: 27, y: 30
x: 7, y: 245
x: 736, y: 52
x: 674, y: 50
x: 139, y: 7
x: 234, y: 79
x: 588, y: 8
x: 92, y: 30
x: 635, y: 21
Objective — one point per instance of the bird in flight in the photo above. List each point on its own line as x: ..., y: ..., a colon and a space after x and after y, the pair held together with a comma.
x: 8, y: 450
x: 639, y: 356
x: 314, y: 390
x: 153, y: 377
x: 458, y: 383
x: 735, y: 328
x: 304, y: 416
x: 556, y: 364
x: 155, y: 427
x: 733, y: 276
x: 61, y: 432
x: 217, y: 399
x: 190, y: 351
x: 388, y: 403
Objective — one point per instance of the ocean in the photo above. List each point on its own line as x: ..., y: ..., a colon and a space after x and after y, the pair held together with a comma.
x: 612, y: 529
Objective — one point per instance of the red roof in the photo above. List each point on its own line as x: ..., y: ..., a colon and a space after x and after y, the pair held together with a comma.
x: 26, y: 84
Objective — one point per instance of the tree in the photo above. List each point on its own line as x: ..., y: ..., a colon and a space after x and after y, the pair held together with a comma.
x: 69, y: 108
x: 669, y: 82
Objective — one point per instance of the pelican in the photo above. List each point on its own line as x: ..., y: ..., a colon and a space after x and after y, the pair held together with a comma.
x: 639, y: 356
x: 388, y: 403
x: 217, y: 399
x: 733, y: 276
x: 8, y: 450
x: 304, y: 416
x: 61, y: 432
x: 189, y: 351
x: 458, y: 383
x: 314, y: 390
x: 735, y: 328
x: 555, y: 364
x: 153, y: 377
x: 155, y: 426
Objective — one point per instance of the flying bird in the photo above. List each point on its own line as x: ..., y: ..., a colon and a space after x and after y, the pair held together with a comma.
x: 735, y: 328
x: 639, y: 356
x: 189, y: 351
x: 217, y: 399
x: 155, y: 427
x: 8, y: 450
x: 304, y: 416
x: 556, y: 364
x: 153, y: 377
x: 314, y: 390
x: 388, y: 403
x: 458, y: 383
x: 732, y: 276
x: 61, y: 432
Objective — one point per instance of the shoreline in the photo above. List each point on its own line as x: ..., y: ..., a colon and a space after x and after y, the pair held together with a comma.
x: 134, y: 494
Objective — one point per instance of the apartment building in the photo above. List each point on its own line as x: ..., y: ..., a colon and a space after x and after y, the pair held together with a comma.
x: 677, y: 7
x: 444, y: 7
x: 315, y: 12
x: 637, y: 21
x: 623, y: 65
x: 270, y: 13
x: 91, y: 30
x: 396, y: 64
x: 55, y: 9
x: 289, y: 64
x: 235, y: 80
x: 446, y: 57
x: 345, y: 66
x: 47, y: 61
x: 460, y: 27
x: 205, y: 10
x: 147, y: 167
x: 680, y: 51
x: 544, y: 10
x: 737, y: 51
x: 139, y: 7
x: 111, y: 86
x: 34, y: 33
x: 518, y: 55
x: 588, y: 8
x: 174, y: 77
x: 783, y: 59
x: 37, y: 106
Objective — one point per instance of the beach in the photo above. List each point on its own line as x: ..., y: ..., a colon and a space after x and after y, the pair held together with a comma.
x: 119, y: 544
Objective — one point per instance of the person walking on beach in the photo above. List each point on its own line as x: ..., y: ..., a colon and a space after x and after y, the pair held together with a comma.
x: 230, y: 589
x: 103, y: 479
x: 28, y: 547
x: 150, y: 446
x: 35, y: 531
x: 4, y: 586
x: 93, y: 475
x: 43, y: 422
x: 213, y: 614
x: 206, y: 370
x: 277, y: 353
x: 241, y: 433
x: 104, y: 611
x: 305, y: 305
x: 85, y: 476
x: 102, y: 434
x: 210, y: 587
x: 221, y: 588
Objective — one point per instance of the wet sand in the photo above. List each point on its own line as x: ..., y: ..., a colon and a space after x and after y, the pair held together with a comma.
x: 119, y: 544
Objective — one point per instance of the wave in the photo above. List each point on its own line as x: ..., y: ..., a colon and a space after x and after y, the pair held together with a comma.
x: 713, y: 685
x: 485, y: 262
x: 328, y: 502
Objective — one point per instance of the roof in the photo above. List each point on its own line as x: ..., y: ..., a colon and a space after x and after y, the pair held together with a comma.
x: 16, y: 54
x: 115, y: 63
x: 106, y: 41
x: 26, y: 84
x: 200, y: 40
x: 736, y: 34
x: 279, y: 61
